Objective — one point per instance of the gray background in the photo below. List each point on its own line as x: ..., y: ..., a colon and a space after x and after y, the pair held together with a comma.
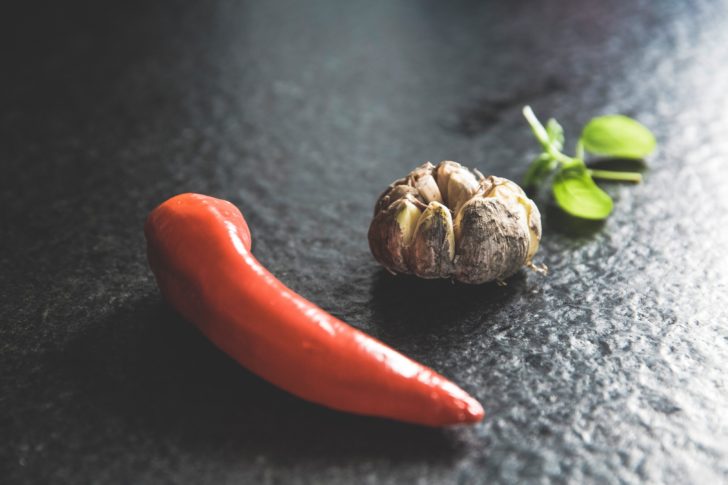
x: 611, y: 369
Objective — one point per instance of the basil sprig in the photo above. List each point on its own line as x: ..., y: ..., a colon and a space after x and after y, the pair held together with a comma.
x: 572, y: 182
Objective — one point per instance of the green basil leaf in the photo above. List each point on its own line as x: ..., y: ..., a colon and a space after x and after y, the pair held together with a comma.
x: 618, y: 136
x: 556, y: 134
x: 538, y: 170
x: 576, y: 193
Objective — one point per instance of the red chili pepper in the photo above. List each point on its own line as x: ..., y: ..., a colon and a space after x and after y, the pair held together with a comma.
x: 199, y: 251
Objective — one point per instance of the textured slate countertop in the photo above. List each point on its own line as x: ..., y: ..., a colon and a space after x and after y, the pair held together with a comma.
x: 611, y: 369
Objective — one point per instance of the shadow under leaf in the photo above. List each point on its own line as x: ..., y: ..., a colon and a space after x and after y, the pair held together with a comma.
x: 557, y: 220
x: 618, y: 165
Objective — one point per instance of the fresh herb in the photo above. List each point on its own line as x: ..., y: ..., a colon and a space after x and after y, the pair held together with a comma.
x: 572, y: 182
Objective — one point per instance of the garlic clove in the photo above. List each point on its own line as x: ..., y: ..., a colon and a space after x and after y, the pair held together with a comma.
x: 428, y: 189
x: 391, y: 232
x: 461, y: 187
x: 443, y: 172
x: 393, y: 194
x: 503, y: 188
x: 492, y: 243
x: 407, y: 218
x: 425, y: 183
x: 534, y: 230
x: 513, y: 195
x: 433, y: 243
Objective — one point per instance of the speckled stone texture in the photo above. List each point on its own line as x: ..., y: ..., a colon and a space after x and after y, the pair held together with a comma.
x: 612, y: 369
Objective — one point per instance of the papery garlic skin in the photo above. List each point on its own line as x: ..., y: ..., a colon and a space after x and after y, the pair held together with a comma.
x: 433, y: 244
x: 445, y: 221
x: 393, y: 229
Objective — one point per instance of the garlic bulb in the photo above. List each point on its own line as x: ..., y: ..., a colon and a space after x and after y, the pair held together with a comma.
x: 446, y: 221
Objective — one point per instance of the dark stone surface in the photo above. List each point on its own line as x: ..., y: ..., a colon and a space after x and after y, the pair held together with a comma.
x: 611, y: 369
